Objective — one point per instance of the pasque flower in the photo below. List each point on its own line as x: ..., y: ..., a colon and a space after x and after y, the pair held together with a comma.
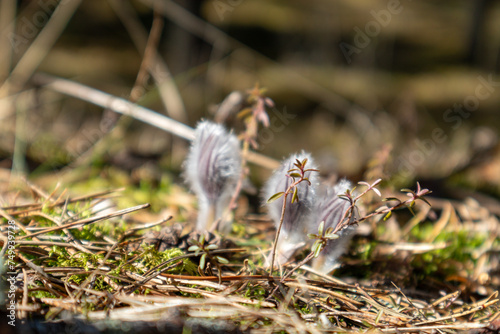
x: 330, y: 209
x: 298, y: 213
x: 212, y: 170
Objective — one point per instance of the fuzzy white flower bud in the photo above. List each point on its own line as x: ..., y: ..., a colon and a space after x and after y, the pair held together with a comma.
x: 212, y: 170
x: 298, y: 215
x: 330, y: 208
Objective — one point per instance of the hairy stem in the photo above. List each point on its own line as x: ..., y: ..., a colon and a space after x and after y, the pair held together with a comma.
x: 282, y: 218
x: 275, y: 243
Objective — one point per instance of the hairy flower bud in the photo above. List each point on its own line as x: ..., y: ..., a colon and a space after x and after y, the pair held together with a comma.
x: 330, y: 208
x: 298, y: 215
x: 212, y: 170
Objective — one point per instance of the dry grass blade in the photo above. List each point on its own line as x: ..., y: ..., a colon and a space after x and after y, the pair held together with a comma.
x: 38, y: 206
x: 88, y: 220
x: 433, y: 329
x: 325, y: 292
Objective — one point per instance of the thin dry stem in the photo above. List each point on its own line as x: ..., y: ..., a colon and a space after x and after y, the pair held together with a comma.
x: 40, y: 47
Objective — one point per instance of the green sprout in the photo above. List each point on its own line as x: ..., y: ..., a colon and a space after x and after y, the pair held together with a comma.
x: 200, y: 246
x: 322, y: 238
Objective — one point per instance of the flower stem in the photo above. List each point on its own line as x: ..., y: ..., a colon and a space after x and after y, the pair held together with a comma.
x: 282, y: 218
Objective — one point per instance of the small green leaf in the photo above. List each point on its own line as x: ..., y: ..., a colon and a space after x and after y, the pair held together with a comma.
x: 425, y: 200
x: 193, y: 248
x: 311, y: 170
x: 391, y: 199
x: 275, y: 197
x: 317, y: 247
x: 294, y: 175
x: 211, y: 247
x: 304, y: 162
x: 222, y: 260
x: 321, y: 227
x: 318, y: 251
x: 376, y: 191
x: 331, y: 236
x: 202, y: 260
x: 295, y: 197
x: 312, y: 236
x: 202, y: 239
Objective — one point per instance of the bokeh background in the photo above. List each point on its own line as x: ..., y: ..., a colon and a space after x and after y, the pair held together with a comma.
x: 403, y: 90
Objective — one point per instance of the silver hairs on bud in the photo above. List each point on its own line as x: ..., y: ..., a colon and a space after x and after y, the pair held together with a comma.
x: 330, y: 208
x: 298, y: 215
x: 212, y: 170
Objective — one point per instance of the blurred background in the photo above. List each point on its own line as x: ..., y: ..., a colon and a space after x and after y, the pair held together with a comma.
x: 403, y: 90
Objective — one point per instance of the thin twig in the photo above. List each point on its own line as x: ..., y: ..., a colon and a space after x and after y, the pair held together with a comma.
x: 158, y: 69
x: 88, y: 220
x: 125, y: 107
x: 40, y: 47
